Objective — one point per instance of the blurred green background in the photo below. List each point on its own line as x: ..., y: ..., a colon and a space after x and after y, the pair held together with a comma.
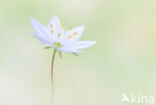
x: 123, y: 60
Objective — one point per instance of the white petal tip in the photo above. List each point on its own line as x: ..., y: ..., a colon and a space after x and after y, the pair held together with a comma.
x: 55, y: 17
x: 93, y: 42
x: 32, y: 20
x: 82, y: 27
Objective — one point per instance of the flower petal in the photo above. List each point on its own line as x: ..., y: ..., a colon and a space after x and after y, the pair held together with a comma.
x: 68, y: 49
x: 44, y: 41
x: 74, y: 33
x: 40, y: 30
x: 56, y: 28
x: 78, y: 44
x: 84, y: 44
x: 55, y: 23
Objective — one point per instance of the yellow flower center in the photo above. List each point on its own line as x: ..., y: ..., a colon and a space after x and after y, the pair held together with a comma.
x: 57, y: 44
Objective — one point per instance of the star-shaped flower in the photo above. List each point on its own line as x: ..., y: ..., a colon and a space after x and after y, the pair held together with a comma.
x: 54, y: 36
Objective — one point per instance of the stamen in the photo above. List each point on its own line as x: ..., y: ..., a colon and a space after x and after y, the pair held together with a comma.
x: 69, y: 37
x: 61, y: 25
x: 51, y: 26
x: 74, y: 34
x: 70, y: 28
x: 52, y: 31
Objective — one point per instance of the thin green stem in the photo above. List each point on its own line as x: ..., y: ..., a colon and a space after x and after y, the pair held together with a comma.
x: 52, y: 75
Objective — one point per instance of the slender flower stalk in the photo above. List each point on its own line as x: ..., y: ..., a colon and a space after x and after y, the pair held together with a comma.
x: 54, y: 36
x: 52, y: 75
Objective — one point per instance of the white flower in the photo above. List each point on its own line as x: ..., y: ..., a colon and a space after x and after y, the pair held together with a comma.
x: 54, y: 36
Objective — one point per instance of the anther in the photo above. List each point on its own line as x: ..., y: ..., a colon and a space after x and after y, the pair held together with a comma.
x: 70, y: 28
x: 51, y: 26
x: 61, y: 25
x: 59, y: 35
x: 52, y: 31
x: 74, y: 34
x: 69, y: 37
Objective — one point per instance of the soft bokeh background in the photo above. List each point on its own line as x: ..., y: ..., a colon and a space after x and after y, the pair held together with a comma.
x: 123, y: 60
